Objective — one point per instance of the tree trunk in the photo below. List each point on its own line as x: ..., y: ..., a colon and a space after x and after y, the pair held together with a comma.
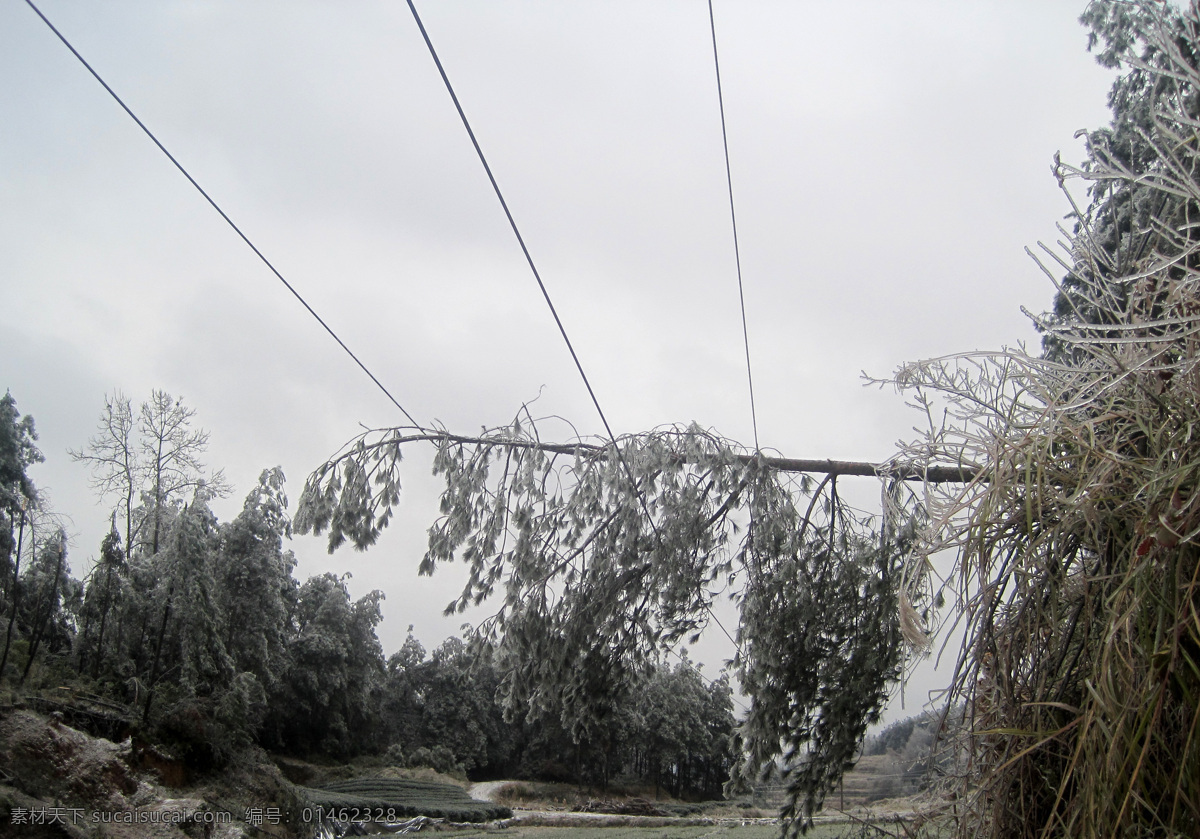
x: 103, y: 620
x: 162, y: 635
x: 14, y: 594
x: 135, y: 652
x: 41, y: 620
x: 83, y: 637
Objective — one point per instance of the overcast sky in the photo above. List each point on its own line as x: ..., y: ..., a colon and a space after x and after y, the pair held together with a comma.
x: 891, y: 160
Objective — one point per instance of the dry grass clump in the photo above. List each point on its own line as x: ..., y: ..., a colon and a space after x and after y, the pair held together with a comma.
x: 516, y: 793
x: 1079, y: 570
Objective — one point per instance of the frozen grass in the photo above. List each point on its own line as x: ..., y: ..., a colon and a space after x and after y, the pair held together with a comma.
x: 1079, y: 543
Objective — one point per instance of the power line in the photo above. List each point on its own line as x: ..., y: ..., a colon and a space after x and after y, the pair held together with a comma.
x: 512, y: 223
x: 221, y: 212
x: 737, y: 254
x: 545, y: 293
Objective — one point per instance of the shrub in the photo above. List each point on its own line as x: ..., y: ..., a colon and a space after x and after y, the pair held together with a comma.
x: 439, y: 758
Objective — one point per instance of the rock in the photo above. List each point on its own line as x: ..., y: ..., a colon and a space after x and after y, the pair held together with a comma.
x: 50, y: 760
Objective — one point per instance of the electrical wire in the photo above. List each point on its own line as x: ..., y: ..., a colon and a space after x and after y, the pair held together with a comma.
x: 221, y: 212
x: 541, y: 285
x: 512, y: 222
x: 737, y: 254
x: 503, y: 203
x: 300, y: 298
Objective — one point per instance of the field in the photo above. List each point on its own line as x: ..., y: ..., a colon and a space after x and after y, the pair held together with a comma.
x: 399, y: 797
x: 755, y: 831
x: 545, y: 814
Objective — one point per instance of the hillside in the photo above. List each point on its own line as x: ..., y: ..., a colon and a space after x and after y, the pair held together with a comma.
x: 60, y: 781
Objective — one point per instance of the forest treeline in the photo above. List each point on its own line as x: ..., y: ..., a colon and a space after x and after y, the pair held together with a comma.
x: 201, y: 631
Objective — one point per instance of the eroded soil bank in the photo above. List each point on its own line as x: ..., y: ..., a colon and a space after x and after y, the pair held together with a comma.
x: 57, y: 781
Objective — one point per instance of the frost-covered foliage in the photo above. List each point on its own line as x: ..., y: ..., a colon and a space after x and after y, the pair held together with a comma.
x: 1079, y: 569
x: 600, y: 553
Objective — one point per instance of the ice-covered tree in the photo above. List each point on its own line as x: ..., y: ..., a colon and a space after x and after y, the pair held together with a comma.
x: 17, y: 499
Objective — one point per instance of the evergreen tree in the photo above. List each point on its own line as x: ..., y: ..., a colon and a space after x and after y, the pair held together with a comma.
x: 17, y: 500
x: 49, y: 586
x: 327, y: 700
x: 189, y: 629
x: 1130, y: 216
x: 102, y: 590
x: 255, y: 586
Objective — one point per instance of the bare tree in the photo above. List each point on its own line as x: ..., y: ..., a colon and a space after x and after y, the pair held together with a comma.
x: 151, y: 463
x: 114, y: 458
x: 148, y: 463
x: 171, y: 451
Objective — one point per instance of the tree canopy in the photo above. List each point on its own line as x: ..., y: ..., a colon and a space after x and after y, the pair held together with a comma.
x: 203, y: 642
